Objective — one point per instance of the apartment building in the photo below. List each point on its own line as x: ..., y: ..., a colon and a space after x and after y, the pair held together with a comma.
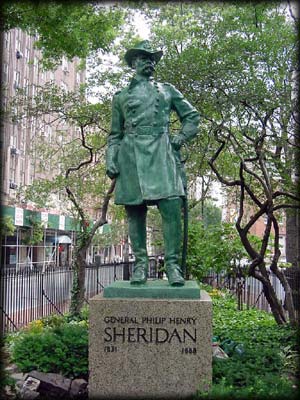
x: 22, y: 69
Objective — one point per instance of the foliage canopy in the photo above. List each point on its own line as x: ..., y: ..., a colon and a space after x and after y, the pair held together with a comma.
x: 73, y: 29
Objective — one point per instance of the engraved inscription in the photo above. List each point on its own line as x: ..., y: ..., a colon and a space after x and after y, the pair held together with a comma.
x: 110, y: 349
x: 149, y: 335
x: 189, y: 350
x: 150, y: 329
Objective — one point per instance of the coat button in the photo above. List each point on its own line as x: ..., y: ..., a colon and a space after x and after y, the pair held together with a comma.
x: 134, y: 124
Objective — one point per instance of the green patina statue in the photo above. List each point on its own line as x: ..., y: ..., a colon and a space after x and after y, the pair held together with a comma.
x: 145, y: 160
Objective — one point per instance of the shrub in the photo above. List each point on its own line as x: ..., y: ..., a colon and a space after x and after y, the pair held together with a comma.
x: 62, y: 349
x: 264, y: 369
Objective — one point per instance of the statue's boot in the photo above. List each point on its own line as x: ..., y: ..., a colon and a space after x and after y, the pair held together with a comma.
x: 170, y: 210
x: 137, y: 232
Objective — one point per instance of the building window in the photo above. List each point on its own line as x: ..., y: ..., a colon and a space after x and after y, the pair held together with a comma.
x: 32, y: 170
x: 4, y: 102
x: 23, y: 128
x: 78, y: 78
x: 49, y: 133
x: 64, y: 86
x: 22, y: 171
x: 5, y: 73
x: 35, y: 66
x: 65, y: 64
x: 26, y: 86
x: 17, y: 80
x: 12, y: 141
x: 27, y: 54
x: 6, y: 40
x: 12, y: 169
x: 14, y: 136
x: 23, y: 134
x: 33, y: 92
x: 14, y: 116
x: 32, y: 127
x: 18, y: 44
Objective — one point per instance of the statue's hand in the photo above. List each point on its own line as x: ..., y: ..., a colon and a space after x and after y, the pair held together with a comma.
x: 112, y: 172
x: 177, y: 141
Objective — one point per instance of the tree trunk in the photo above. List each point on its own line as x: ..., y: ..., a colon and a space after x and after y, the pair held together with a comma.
x: 293, y: 237
x: 293, y: 216
x: 84, y: 240
x: 270, y: 294
x: 78, y: 289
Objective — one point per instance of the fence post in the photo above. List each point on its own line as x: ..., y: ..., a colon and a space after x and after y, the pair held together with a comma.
x: 97, y: 283
x: 248, y: 296
x: 126, y: 271
x: 42, y: 294
x: 2, y: 301
x: 115, y: 271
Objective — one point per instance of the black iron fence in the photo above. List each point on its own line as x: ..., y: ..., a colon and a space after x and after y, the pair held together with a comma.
x: 27, y: 295
x: 32, y: 293
x: 249, y: 291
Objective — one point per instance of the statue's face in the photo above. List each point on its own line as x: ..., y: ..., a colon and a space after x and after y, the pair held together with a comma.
x: 144, y: 65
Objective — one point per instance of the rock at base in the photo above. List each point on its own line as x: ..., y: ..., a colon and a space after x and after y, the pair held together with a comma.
x: 52, y: 385
x: 78, y: 389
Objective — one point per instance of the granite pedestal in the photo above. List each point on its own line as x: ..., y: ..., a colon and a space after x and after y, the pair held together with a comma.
x: 153, y: 347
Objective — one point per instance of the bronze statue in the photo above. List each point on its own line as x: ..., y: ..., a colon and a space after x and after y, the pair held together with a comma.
x: 144, y: 158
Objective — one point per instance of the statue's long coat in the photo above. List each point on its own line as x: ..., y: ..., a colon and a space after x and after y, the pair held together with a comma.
x: 139, y: 143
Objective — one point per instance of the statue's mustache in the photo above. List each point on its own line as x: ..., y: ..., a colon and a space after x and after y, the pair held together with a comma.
x: 150, y: 65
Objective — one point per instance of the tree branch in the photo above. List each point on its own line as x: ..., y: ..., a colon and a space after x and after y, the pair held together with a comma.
x: 212, y: 161
x: 103, y: 217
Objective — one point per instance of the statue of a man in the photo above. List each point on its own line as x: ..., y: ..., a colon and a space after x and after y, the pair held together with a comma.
x: 144, y: 158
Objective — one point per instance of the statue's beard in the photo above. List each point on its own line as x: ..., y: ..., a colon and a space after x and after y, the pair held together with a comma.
x: 149, y: 69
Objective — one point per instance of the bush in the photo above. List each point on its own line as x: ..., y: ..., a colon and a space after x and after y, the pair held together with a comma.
x: 60, y: 348
x: 265, y: 368
x: 215, y: 247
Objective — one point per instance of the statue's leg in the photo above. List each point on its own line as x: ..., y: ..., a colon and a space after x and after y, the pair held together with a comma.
x: 137, y: 232
x: 170, y: 210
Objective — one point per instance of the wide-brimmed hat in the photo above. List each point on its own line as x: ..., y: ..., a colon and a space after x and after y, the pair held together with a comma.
x: 143, y: 47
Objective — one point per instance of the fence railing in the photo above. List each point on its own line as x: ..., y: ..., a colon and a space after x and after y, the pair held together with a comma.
x: 32, y: 294
x: 248, y: 290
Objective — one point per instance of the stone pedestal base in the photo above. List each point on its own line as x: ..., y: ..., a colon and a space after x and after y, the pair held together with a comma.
x: 145, y: 348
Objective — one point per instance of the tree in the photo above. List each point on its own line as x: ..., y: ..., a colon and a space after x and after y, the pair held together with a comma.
x: 207, y: 212
x: 64, y: 29
x: 69, y: 30
x: 215, y: 248
x: 235, y: 63
x: 76, y: 156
